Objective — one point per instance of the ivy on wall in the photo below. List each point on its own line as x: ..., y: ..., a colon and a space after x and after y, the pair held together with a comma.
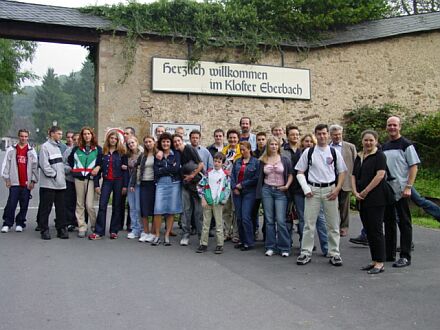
x: 250, y: 26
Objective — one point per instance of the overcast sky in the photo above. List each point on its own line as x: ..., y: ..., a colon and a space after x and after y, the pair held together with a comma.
x: 63, y: 58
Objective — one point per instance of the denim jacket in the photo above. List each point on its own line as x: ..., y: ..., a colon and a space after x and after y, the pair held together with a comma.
x: 250, y: 178
x: 117, y: 162
x: 169, y: 166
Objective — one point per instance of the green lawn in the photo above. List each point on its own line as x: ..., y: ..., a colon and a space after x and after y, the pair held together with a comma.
x: 428, y: 183
x: 427, y: 222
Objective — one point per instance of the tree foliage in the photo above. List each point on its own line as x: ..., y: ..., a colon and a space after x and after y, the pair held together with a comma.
x: 240, y: 24
x: 12, y: 54
x: 68, y: 101
x: 414, y: 7
x: 425, y: 133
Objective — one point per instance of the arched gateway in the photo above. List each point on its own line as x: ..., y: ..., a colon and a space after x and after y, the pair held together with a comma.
x: 386, y: 61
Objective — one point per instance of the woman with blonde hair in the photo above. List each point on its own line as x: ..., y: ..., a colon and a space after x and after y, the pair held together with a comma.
x: 145, y: 163
x: 114, y: 173
x: 273, y: 183
x: 133, y: 192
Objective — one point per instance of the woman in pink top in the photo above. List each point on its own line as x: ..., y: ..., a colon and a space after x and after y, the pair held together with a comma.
x: 274, y: 181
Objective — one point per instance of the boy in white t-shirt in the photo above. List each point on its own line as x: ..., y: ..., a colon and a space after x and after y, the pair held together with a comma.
x: 214, y: 190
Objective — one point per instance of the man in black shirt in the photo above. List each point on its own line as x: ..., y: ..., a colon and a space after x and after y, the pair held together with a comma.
x: 192, y: 205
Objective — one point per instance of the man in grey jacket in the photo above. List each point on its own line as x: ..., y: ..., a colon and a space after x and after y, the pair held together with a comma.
x: 52, y: 185
x: 19, y: 170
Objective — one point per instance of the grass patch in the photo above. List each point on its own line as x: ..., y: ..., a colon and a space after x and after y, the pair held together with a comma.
x: 428, y: 182
x: 426, y: 222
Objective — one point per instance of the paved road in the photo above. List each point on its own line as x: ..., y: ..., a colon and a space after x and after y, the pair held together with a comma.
x: 80, y: 284
x: 122, y: 284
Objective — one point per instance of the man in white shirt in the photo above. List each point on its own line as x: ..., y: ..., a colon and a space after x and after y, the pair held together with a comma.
x: 325, y: 170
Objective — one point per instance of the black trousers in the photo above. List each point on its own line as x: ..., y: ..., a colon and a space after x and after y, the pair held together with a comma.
x: 70, y: 196
x: 47, y: 198
x: 398, y: 214
x: 372, y: 220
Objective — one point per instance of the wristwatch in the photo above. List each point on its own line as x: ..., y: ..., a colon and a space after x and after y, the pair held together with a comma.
x: 409, y: 186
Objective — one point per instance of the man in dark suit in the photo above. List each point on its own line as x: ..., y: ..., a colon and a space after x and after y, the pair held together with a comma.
x: 348, y: 152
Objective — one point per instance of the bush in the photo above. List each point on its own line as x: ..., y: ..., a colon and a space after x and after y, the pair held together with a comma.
x: 425, y: 133
x: 369, y: 117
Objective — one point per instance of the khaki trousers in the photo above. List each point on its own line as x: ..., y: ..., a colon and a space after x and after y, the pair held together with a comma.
x: 231, y: 228
x: 311, y: 211
x: 85, y: 197
x: 208, y: 213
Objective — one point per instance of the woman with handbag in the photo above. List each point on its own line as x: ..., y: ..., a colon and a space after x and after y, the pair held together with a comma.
x: 368, y: 181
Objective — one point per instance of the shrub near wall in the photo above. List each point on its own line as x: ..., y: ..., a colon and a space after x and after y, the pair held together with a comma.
x: 369, y: 117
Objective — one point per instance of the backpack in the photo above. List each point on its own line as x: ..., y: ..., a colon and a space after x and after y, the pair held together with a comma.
x: 309, y: 162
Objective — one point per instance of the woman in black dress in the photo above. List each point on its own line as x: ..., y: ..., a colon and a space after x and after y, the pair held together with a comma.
x: 368, y: 182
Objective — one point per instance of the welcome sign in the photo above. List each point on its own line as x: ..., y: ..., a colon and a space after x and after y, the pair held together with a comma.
x: 178, y: 76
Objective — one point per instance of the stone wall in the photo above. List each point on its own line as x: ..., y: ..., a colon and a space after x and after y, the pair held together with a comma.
x: 401, y: 70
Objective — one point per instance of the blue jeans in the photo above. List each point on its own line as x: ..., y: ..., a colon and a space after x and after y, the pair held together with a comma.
x: 321, y: 225
x: 244, y: 205
x: 275, y: 209
x: 17, y: 195
x: 134, y: 201
x: 428, y: 206
x: 109, y: 186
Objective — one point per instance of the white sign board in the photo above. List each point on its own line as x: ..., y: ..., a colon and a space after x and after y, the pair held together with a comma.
x: 173, y: 75
x: 171, y: 128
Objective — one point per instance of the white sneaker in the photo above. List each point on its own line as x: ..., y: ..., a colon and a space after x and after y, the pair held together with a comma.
x: 285, y: 254
x: 184, y: 241
x: 269, y: 253
x: 132, y: 235
x: 5, y: 229
x: 18, y: 229
x: 143, y: 237
x: 150, y: 238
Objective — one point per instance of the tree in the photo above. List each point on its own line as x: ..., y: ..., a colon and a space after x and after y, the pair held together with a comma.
x: 80, y: 86
x: 414, y: 7
x: 52, y: 105
x: 12, y: 54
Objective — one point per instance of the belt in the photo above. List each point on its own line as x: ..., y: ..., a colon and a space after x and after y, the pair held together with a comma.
x: 321, y: 185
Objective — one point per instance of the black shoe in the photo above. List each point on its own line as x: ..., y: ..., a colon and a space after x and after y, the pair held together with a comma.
x: 201, y: 249
x: 375, y: 270
x: 367, y: 267
x: 361, y: 240
x: 238, y: 246
x: 218, y: 249
x: 70, y: 228
x: 246, y: 248
x: 38, y: 228
x: 402, y: 262
x: 62, y: 233
x: 45, y: 235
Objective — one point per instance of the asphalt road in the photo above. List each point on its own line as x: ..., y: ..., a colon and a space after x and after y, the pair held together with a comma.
x: 122, y: 284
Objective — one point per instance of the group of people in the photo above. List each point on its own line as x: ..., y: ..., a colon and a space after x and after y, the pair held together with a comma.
x: 220, y: 190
